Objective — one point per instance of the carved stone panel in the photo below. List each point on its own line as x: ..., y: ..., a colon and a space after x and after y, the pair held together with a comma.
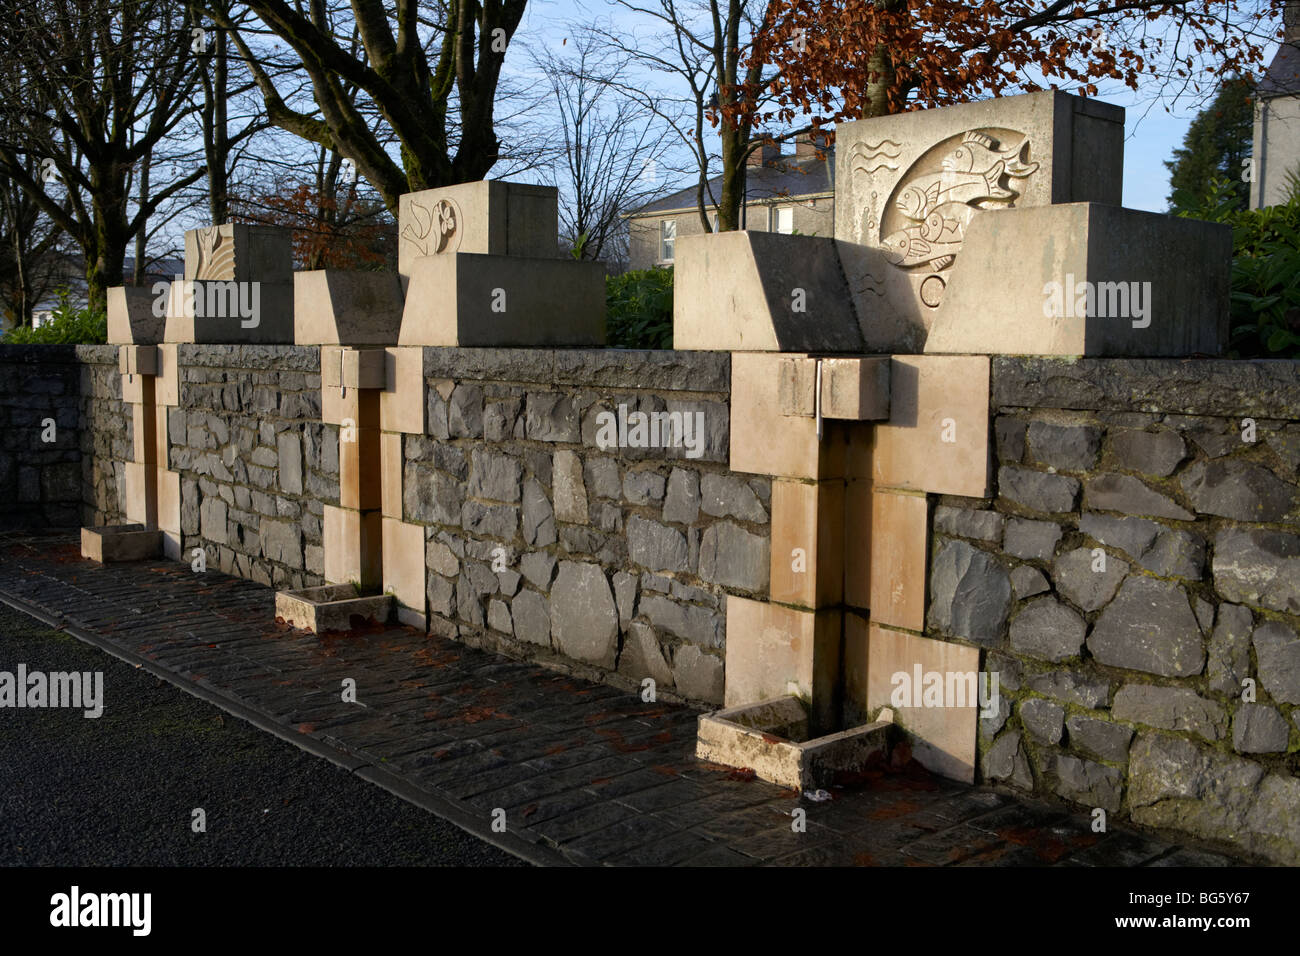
x: 487, y: 217
x: 908, y: 186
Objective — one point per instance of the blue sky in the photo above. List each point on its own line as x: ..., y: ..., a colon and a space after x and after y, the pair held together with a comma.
x: 1151, y: 130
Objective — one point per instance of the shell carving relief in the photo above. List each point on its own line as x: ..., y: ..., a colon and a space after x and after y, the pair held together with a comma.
x: 216, y: 254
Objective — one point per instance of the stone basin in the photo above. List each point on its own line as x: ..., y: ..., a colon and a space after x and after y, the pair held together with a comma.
x: 771, y: 738
x: 332, y: 607
x: 121, y: 542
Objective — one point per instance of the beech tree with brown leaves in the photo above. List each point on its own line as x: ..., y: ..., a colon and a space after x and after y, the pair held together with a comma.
x: 848, y: 59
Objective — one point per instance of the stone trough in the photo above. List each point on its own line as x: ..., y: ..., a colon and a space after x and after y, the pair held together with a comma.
x: 771, y: 738
x: 121, y: 542
x: 334, y: 607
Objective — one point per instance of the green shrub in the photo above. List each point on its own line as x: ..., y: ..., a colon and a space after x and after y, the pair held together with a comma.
x: 639, y: 309
x: 1265, y: 299
x: 68, y: 325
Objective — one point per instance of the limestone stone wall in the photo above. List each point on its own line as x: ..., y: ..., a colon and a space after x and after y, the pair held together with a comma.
x: 615, y: 561
x: 41, y: 443
x: 1135, y: 583
x: 104, y: 435
x: 256, y: 465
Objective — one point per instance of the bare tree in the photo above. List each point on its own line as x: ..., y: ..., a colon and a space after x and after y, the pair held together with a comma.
x: 93, y: 90
x: 610, y: 151
x: 704, y: 49
x: 30, y: 244
x: 434, y: 82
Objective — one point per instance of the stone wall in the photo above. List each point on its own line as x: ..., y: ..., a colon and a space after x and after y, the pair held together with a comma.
x: 256, y: 464
x: 616, y: 560
x: 1136, y: 584
x: 104, y: 435
x: 40, y: 441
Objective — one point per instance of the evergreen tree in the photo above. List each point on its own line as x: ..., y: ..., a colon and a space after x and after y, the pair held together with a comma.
x: 1216, y: 144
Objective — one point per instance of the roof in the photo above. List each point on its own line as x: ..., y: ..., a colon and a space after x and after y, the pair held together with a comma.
x: 787, y: 177
x: 1283, y: 75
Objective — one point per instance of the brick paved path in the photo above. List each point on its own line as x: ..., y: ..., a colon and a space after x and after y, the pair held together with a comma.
x: 585, y: 773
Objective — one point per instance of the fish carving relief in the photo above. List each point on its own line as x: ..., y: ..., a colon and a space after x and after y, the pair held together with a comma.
x: 926, y: 218
x: 433, y: 229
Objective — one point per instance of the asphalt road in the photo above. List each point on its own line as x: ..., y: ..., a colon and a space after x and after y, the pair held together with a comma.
x: 119, y: 790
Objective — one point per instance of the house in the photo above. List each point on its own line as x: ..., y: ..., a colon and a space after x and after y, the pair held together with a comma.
x: 783, y: 193
x: 69, y: 272
x: 1277, y: 118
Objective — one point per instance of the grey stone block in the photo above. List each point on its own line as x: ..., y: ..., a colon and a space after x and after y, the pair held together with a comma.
x: 1229, y: 657
x: 1099, y: 738
x: 1091, y: 784
x: 584, y: 618
x: 642, y: 657
x: 625, y: 587
x: 538, y: 519
x: 1071, y: 687
x: 1155, y: 453
x: 1010, y: 434
x: 570, y: 492
x: 1088, y: 581
x: 643, y: 487
x: 698, y: 676
x: 1235, y: 489
x: 1031, y: 539
x: 538, y: 567
x: 1128, y: 495
x: 1042, y: 718
x: 1258, y: 567
x: 602, y: 476
x: 493, y: 521
x: 682, y: 500
x: 1048, y: 630
x: 1006, y: 761
x: 697, y: 625
x: 494, y: 476
x: 1066, y: 447
x: 970, y: 593
x: 732, y: 557
x: 1149, y: 627
x: 1231, y: 389
x: 551, y: 416
x: 1026, y: 581
x: 968, y: 523
x: 531, y: 618
x: 726, y: 496
x: 1176, y: 554
x: 1133, y: 536
x: 1277, y: 650
x: 1259, y: 729
x: 282, y: 542
x: 498, y: 616
x: 1038, y: 490
x: 465, y: 412
x: 1170, y: 708
x: 655, y: 546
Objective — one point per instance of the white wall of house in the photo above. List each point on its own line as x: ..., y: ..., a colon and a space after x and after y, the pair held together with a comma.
x: 1276, y: 148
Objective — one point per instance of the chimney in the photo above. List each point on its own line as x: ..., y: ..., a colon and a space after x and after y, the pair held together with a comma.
x: 764, y: 155
x: 1291, y: 22
x: 807, y: 144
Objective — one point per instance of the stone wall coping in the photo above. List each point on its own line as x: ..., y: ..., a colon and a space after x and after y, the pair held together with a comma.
x: 1260, y: 388
x: 623, y: 368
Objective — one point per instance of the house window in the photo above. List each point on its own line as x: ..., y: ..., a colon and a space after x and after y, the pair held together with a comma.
x: 782, y: 219
x: 667, y: 239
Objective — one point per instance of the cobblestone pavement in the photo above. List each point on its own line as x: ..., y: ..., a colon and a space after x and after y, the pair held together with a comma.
x: 585, y: 773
